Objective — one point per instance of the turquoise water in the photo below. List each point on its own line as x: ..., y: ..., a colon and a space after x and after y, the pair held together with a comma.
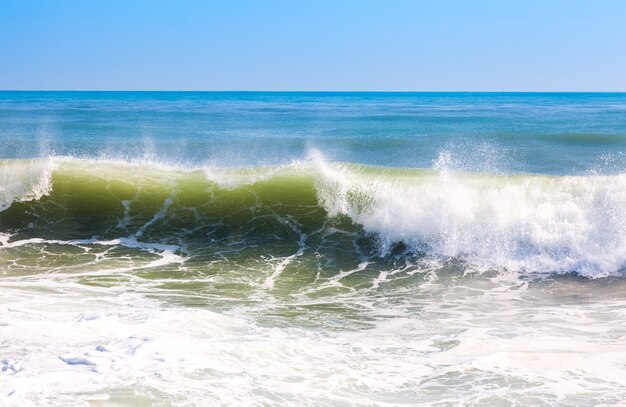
x: 567, y: 133
x: 253, y: 248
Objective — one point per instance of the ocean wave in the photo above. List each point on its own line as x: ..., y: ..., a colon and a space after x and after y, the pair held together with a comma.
x: 518, y: 222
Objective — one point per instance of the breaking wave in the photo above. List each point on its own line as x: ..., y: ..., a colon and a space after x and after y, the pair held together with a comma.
x: 518, y: 222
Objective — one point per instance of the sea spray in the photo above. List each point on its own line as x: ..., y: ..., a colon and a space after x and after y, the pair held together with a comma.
x: 518, y: 222
x: 24, y: 180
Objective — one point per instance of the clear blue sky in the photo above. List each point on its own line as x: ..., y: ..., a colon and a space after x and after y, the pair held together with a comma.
x: 525, y: 45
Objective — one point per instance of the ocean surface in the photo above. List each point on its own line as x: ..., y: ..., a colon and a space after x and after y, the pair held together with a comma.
x: 259, y: 248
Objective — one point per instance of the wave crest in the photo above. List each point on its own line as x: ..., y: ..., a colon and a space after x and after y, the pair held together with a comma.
x: 24, y: 180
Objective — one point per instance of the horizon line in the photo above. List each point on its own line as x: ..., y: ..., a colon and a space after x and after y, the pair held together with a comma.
x: 309, y: 91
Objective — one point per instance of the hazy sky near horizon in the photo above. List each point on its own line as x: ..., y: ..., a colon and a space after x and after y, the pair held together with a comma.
x: 446, y: 45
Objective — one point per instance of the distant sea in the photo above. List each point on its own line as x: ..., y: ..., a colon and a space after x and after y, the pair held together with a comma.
x: 305, y: 248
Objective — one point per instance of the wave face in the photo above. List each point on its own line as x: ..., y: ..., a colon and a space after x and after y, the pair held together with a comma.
x: 342, y: 212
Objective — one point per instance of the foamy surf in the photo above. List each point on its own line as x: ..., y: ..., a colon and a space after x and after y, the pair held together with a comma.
x: 183, y: 249
x: 24, y: 180
x: 85, y: 343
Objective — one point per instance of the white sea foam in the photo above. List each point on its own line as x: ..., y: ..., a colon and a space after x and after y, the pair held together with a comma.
x: 165, y: 254
x: 24, y: 180
x: 281, y: 263
x: 520, y: 222
x: 70, y: 344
